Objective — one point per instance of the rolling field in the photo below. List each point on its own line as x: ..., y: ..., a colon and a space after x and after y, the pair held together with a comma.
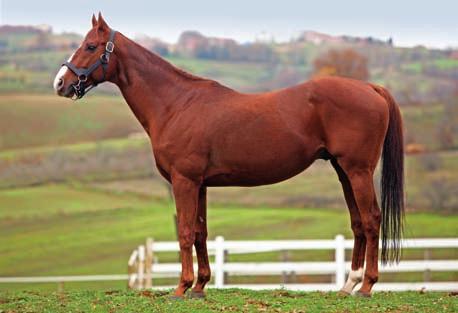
x: 71, y: 230
x: 231, y: 300
x: 126, y: 164
x: 78, y: 193
x: 79, y: 189
x: 48, y: 120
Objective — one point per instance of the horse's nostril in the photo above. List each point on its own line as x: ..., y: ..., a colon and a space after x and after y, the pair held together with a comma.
x: 60, y: 84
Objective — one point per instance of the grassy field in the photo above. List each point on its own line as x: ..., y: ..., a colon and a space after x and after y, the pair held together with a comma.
x: 45, y: 119
x: 77, y: 194
x: 232, y: 300
x: 34, y: 71
x: 32, y: 120
x: 126, y: 164
x: 68, y: 230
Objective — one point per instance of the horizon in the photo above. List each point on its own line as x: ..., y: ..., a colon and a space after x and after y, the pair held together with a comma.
x: 409, y: 25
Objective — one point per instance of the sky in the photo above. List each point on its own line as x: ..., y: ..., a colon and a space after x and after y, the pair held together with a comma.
x: 408, y: 22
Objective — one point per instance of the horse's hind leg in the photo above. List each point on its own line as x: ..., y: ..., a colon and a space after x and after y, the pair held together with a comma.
x: 361, y: 180
x: 203, y: 276
x: 359, y: 246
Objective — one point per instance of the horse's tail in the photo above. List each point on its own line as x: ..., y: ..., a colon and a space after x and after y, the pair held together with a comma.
x: 392, y: 183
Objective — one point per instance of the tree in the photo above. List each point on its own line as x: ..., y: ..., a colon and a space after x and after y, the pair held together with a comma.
x: 347, y: 63
x: 447, y: 132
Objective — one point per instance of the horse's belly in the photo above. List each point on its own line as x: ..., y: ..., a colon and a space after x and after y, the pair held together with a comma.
x: 263, y: 168
x: 249, y: 179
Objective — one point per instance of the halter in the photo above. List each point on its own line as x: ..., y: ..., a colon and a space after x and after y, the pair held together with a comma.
x: 83, y: 73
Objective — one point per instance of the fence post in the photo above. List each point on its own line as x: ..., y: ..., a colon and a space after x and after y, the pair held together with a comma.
x: 141, y: 266
x: 132, y: 269
x: 149, y: 263
x: 219, y: 262
x: 340, y: 261
x: 60, y: 287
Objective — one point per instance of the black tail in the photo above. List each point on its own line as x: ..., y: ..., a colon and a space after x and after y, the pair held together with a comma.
x: 392, y: 183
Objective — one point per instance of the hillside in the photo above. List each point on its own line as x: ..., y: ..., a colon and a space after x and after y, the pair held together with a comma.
x: 31, y: 56
x: 79, y: 189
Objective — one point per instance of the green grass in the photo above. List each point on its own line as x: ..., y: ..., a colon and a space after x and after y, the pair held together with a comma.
x: 238, y: 75
x: 441, y: 64
x: 445, y: 64
x: 231, y: 300
x: 38, y: 70
x: 82, y: 147
x: 65, y: 230
x: 37, y: 120
x: 125, y: 164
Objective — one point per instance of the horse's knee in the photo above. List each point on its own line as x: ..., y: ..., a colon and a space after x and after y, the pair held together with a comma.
x: 186, y: 239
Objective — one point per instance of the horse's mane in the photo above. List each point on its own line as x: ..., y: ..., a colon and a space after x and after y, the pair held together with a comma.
x: 162, y: 63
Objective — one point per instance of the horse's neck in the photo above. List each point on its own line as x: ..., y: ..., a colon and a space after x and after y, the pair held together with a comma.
x: 153, y: 88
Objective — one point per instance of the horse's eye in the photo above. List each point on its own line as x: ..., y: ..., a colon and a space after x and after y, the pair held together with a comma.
x: 91, y: 47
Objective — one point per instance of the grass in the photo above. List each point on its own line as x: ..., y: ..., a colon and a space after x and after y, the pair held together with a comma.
x: 44, y: 119
x: 37, y: 120
x: 118, y: 144
x: 446, y: 64
x: 441, y: 64
x: 68, y: 230
x: 127, y: 164
x: 231, y: 300
x: 238, y: 75
x: 38, y: 68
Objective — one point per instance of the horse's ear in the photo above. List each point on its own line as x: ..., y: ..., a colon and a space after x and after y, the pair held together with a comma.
x: 94, y: 21
x: 102, y: 25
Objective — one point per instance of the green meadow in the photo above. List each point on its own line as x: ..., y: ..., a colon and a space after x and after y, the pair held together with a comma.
x: 231, y: 300
x: 75, y: 230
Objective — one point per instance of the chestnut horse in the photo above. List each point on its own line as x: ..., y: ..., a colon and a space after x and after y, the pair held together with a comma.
x: 204, y: 134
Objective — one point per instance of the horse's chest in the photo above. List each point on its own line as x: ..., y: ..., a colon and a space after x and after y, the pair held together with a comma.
x: 162, y: 164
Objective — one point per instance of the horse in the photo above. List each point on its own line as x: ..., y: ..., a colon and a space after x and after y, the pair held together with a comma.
x: 204, y: 134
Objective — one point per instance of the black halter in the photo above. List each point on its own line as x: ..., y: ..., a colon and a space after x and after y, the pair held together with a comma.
x: 82, y: 73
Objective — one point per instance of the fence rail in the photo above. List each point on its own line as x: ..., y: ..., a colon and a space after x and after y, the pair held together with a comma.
x: 142, y: 269
x: 338, y: 268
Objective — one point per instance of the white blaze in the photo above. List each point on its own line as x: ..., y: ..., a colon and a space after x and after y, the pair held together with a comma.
x: 61, y: 73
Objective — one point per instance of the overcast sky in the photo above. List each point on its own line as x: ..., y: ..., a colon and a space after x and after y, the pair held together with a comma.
x: 431, y: 23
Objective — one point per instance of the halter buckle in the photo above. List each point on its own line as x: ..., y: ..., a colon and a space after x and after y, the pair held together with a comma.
x: 109, y: 46
x: 82, y: 78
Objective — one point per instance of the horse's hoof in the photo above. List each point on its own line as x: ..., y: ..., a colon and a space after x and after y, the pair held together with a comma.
x: 343, y: 293
x: 176, y: 298
x: 197, y: 295
x: 363, y: 294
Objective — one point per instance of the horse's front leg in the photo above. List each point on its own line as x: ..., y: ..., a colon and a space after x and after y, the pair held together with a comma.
x: 186, y: 192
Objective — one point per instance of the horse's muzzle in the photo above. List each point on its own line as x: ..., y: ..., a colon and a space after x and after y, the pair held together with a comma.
x: 63, y: 90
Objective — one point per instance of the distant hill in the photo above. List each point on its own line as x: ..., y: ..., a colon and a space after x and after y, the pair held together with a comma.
x: 322, y: 38
x: 21, y: 38
x: 30, y: 56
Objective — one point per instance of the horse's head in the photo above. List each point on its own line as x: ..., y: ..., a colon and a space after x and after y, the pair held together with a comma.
x: 90, y: 64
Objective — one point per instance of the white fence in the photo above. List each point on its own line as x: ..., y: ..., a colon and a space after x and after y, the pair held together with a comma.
x: 338, y: 268
x: 142, y: 269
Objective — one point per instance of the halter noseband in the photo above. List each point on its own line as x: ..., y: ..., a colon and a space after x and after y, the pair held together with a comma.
x: 82, y: 73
